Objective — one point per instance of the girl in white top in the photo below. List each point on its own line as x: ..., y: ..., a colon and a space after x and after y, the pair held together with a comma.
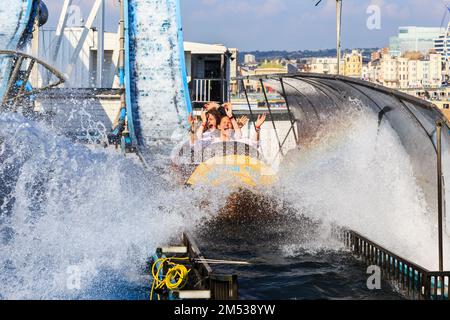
x: 208, y: 131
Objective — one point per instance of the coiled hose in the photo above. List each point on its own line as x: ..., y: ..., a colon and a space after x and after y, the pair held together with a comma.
x: 175, y: 278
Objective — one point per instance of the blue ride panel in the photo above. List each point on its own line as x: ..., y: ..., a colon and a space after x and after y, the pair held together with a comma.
x: 158, y: 100
x: 16, y: 23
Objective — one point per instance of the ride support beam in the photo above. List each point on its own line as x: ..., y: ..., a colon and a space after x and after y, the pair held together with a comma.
x: 84, y: 34
x: 291, y: 117
x: 252, y: 118
x: 12, y: 80
x: 439, y: 192
x: 24, y: 83
x: 59, y: 33
x: 338, y: 34
x: 269, y: 107
x: 101, y: 44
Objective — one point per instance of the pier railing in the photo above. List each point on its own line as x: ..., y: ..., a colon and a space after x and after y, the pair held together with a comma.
x: 414, y: 281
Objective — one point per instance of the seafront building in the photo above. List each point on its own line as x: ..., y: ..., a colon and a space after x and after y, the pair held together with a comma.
x: 353, y: 63
x: 442, y: 45
x: 412, y: 38
x: 249, y: 59
x: 408, y: 71
x: 327, y: 65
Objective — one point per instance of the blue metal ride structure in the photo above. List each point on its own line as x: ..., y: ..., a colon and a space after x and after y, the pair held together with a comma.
x: 16, y: 25
x: 154, y: 73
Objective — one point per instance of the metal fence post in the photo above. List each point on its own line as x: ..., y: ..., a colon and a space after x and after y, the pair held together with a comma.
x: 439, y: 190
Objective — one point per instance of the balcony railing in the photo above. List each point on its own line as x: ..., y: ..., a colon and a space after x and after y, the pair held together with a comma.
x: 205, y: 90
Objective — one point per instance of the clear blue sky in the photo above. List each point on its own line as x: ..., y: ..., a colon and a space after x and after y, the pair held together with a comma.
x: 287, y: 24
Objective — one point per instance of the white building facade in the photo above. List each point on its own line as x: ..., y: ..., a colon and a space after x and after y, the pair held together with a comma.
x: 324, y: 65
x: 80, y: 71
x: 404, y: 73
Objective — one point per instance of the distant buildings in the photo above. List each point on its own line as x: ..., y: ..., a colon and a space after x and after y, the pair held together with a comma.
x: 323, y: 65
x: 416, y: 58
x: 271, y: 67
x: 249, y: 59
x: 411, y: 70
x: 350, y: 66
x: 353, y: 64
x: 377, y: 54
x: 417, y: 62
x: 442, y: 45
x: 267, y: 67
x: 365, y: 72
x: 418, y: 39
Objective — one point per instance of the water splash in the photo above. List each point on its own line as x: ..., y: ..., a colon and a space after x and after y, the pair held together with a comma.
x: 359, y: 176
x: 66, y: 208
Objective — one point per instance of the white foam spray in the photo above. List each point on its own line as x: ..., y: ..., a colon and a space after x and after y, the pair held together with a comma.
x: 68, y: 211
x: 359, y: 176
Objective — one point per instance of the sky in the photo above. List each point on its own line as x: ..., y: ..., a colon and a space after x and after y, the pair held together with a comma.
x: 288, y: 24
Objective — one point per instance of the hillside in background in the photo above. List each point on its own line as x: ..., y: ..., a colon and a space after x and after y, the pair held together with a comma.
x: 301, y: 54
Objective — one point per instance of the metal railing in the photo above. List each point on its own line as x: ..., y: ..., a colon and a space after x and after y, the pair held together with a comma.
x: 415, y: 281
x: 293, y: 121
x: 258, y: 96
x: 18, y: 62
x: 206, y: 90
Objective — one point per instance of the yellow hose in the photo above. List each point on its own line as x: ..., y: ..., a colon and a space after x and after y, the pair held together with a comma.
x: 175, y: 279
